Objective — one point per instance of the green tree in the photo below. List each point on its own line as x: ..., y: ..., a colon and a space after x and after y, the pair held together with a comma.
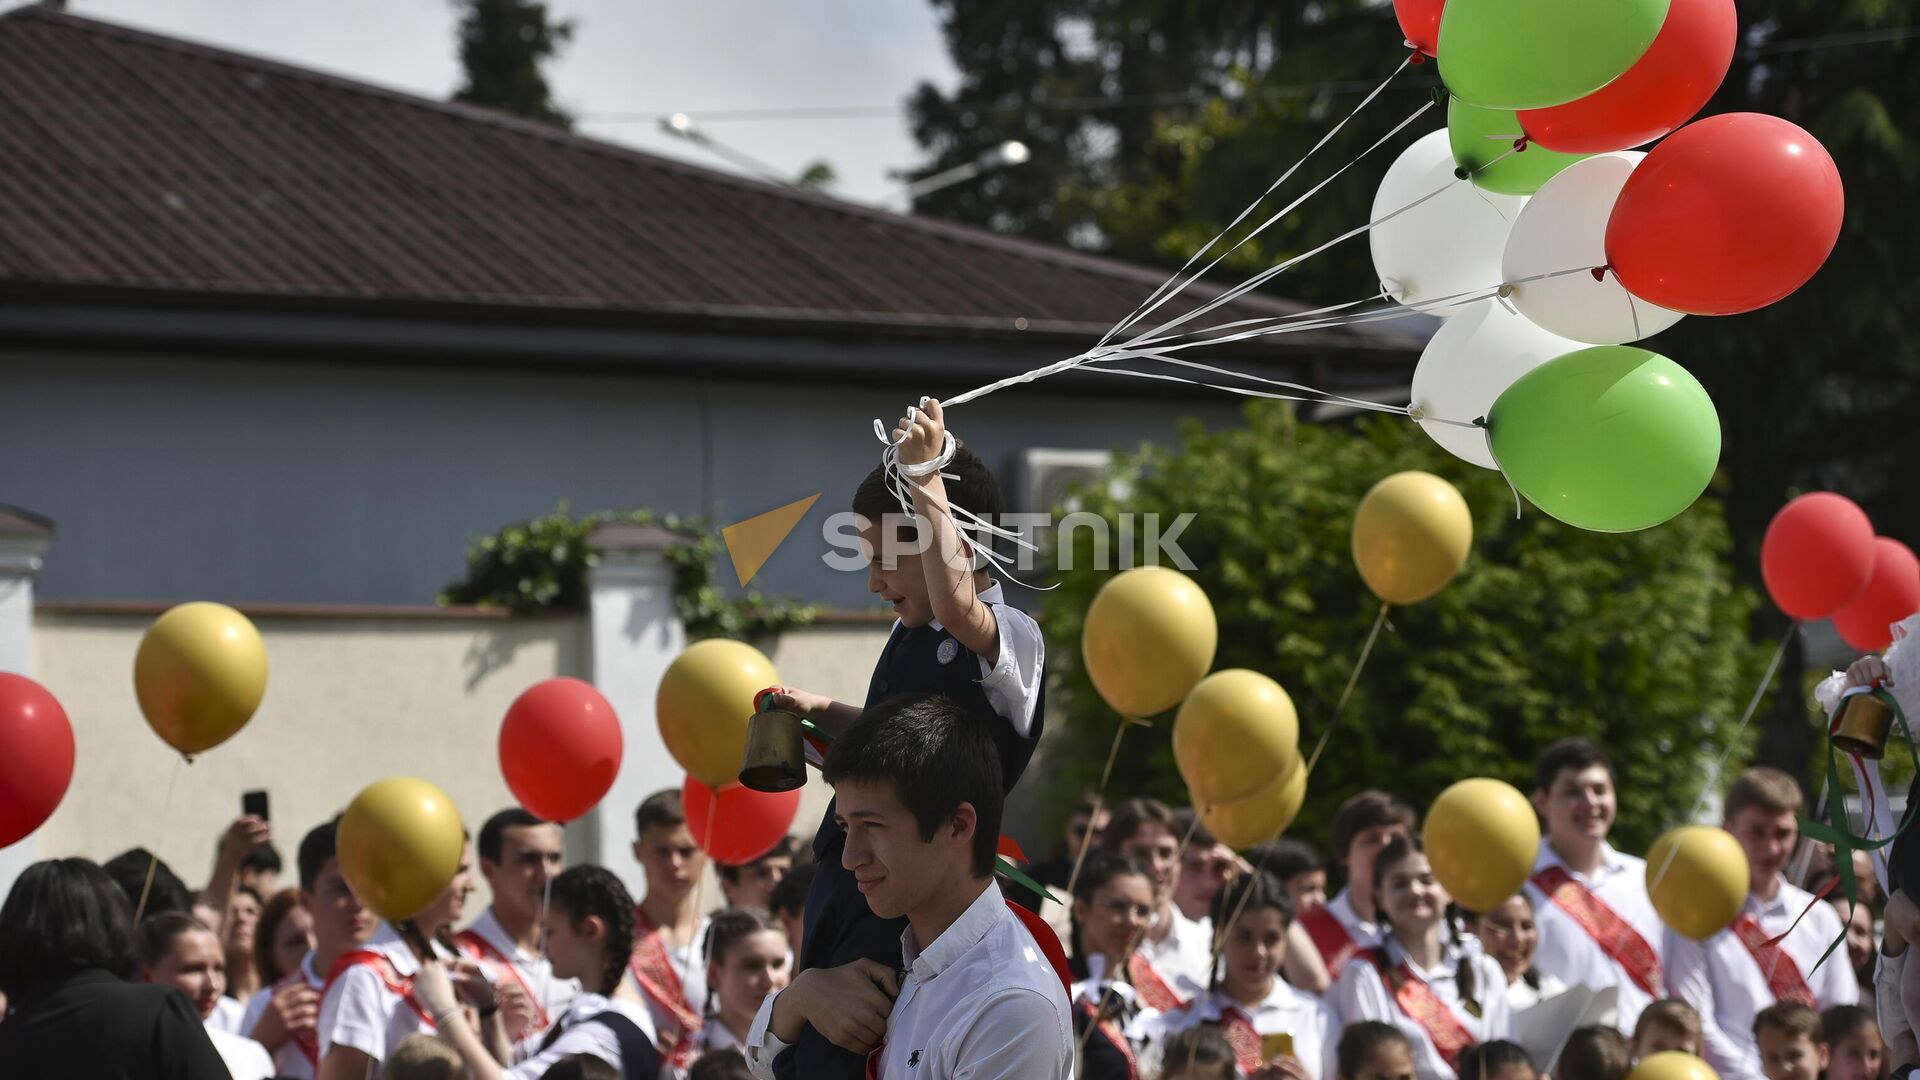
x: 1637, y: 641
x: 503, y: 44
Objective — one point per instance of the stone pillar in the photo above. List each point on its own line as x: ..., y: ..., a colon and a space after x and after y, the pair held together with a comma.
x: 24, y: 539
x: 636, y: 633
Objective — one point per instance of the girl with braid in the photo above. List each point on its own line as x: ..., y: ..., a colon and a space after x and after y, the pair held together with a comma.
x: 747, y: 956
x: 1113, y: 904
x: 1426, y: 978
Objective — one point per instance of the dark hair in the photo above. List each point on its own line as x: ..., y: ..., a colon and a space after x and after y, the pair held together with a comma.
x: 584, y: 891
x: 937, y: 756
x: 790, y: 896
x: 1361, y: 1040
x: 262, y: 860
x: 1671, y: 1013
x: 1100, y: 868
x: 1200, y: 1047
x: 582, y: 1067
x: 660, y: 808
x: 63, y: 916
x: 1399, y: 849
x: 1287, y: 858
x: 1129, y: 816
x: 1258, y: 891
x: 973, y: 488
x: 1481, y: 1060
x: 1843, y: 1020
x: 1573, y: 753
x: 272, y: 914
x: 727, y: 929
x: 494, y: 832
x: 1594, y: 1053
x: 718, y: 1065
x: 157, y: 934
x: 1189, y: 827
x: 781, y: 849
x: 129, y: 871
x: 1368, y: 810
x: 1790, y: 1018
x: 317, y: 847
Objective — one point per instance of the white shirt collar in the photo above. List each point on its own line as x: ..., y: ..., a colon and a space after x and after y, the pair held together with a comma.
x: 992, y: 594
x: 1788, y: 898
x: 1611, y: 863
x: 1342, y: 908
x: 955, y: 940
x: 488, y: 926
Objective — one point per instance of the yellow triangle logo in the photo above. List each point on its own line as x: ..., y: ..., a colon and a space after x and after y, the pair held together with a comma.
x: 751, y: 543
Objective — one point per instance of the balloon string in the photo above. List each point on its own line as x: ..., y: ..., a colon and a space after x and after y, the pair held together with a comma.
x: 153, y: 856
x: 546, y: 898
x: 1352, y: 681
x: 1099, y: 800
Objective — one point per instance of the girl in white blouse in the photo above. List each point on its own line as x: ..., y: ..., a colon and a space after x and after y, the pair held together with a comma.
x: 1426, y: 979
x: 747, y: 959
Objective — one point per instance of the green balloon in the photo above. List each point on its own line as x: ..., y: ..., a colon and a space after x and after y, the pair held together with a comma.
x: 1483, y: 145
x: 1608, y: 439
x: 1531, y: 54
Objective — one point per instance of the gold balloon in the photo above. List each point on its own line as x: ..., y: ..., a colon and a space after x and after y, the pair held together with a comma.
x: 199, y: 675
x: 1482, y: 837
x: 1672, y: 1065
x: 1149, y: 636
x: 1411, y: 535
x: 1260, y: 817
x: 1697, y: 879
x: 704, y: 704
x: 399, y: 845
x: 1235, y: 734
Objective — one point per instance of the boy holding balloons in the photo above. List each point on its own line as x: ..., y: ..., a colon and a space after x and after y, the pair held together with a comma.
x: 956, y: 636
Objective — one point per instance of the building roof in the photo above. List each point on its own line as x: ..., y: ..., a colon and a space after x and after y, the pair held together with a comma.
x: 142, y: 167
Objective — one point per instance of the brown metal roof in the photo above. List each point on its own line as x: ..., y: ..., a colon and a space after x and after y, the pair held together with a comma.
x: 131, y: 161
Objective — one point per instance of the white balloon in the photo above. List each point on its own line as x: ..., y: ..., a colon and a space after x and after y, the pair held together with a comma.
x: 1468, y: 364
x: 1449, y: 244
x: 1564, y: 227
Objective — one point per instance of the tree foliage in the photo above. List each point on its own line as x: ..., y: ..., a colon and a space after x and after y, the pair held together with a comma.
x: 1637, y: 641
x: 503, y: 45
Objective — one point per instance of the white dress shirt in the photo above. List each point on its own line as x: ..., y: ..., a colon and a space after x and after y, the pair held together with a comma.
x: 1184, y: 958
x: 227, y: 1015
x: 535, y: 971
x: 1361, y: 994
x: 1569, y: 954
x: 980, y: 1002
x: 245, y: 1059
x: 362, y: 1012
x: 1721, y: 980
x: 578, y: 1037
x: 1365, y: 934
x: 1315, y: 1031
x: 1521, y: 996
x: 289, y: 1060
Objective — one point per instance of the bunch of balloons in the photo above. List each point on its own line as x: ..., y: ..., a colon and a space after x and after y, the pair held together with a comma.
x: 1820, y: 560
x: 704, y: 703
x: 1549, y: 242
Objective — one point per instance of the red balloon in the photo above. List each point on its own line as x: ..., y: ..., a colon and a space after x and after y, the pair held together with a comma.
x: 1726, y: 215
x: 1818, y: 555
x: 560, y: 748
x: 1662, y: 90
x: 737, y: 824
x: 37, y: 763
x: 1892, y: 594
x: 1420, y: 21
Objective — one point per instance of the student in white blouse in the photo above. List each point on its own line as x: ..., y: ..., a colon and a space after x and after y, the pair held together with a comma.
x: 1510, y: 936
x: 1113, y: 902
x: 1438, y: 989
x: 1276, y: 1031
x: 1362, y: 827
x: 917, y: 784
x: 1739, y: 971
x: 1170, y: 967
x: 747, y: 959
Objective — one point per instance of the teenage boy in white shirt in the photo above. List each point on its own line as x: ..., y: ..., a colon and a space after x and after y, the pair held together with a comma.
x: 519, y: 854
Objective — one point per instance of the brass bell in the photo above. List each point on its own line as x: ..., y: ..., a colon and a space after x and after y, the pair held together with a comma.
x: 1861, y: 723
x: 776, y: 757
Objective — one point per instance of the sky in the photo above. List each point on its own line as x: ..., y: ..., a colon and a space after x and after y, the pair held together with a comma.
x: 647, y: 57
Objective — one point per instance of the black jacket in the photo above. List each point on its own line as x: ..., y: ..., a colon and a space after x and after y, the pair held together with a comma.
x: 92, y: 1024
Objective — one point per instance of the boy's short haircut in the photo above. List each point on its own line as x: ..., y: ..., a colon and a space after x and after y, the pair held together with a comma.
x: 1485, y: 1059
x: 1202, y: 1049
x: 1594, y: 1053
x: 1361, y: 1040
x: 782, y: 849
x: 1670, y: 1013
x: 157, y: 934
x: 319, y: 845
x: 1368, y: 810
x: 1792, y: 1019
x: 1287, y: 858
x: 1573, y: 753
x: 975, y: 491
x: 1764, y: 788
x: 1843, y: 1020
x: 790, y: 896
x: 937, y: 756
x: 493, y: 835
x: 1129, y: 816
x: 167, y: 892
x: 1186, y: 823
x: 423, y: 1056
x: 662, y: 808
x: 262, y: 860
x: 719, y: 1065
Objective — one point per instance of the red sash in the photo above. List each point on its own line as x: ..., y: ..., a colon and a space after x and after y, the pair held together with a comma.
x: 1330, y: 936
x: 308, y: 1041
x: 1238, y: 1028
x: 1112, y: 1033
x: 1152, y: 988
x: 482, y: 950
x: 1615, y: 935
x: 1783, y: 975
x: 1418, y: 1001
x: 389, y: 975
x: 653, y: 970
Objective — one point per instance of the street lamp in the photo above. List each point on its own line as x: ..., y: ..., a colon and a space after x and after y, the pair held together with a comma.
x: 1007, y: 154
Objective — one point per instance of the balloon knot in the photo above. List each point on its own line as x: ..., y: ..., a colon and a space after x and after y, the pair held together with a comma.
x: 1461, y: 173
x: 1416, y: 414
x: 1600, y: 272
x: 1506, y: 292
x: 1418, y: 57
x: 1520, y: 144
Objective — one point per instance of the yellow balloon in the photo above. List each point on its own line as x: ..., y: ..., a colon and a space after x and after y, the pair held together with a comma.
x: 1260, y: 817
x: 1482, y: 837
x: 704, y: 703
x: 1697, y: 879
x: 199, y: 675
x: 1149, y: 636
x: 1235, y: 734
x: 1411, y: 536
x: 1672, y: 1065
x: 399, y: 845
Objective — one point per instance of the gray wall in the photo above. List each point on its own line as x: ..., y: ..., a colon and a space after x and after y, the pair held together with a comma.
x: 276, y: 480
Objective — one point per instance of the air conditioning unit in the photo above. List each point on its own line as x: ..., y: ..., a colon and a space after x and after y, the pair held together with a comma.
x: 1049, y: 478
